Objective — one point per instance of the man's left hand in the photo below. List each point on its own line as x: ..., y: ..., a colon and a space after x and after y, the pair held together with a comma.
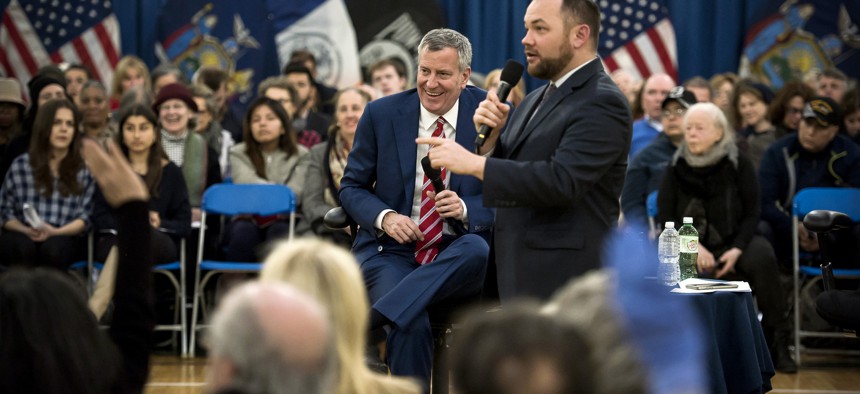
x: 448, y: 204
x: 453, y: 156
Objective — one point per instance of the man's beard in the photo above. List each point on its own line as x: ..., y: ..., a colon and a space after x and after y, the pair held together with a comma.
x: 548, y: 68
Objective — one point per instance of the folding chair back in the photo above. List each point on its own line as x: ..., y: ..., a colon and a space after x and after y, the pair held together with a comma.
x: 651, y: 209
x: 232, y: 200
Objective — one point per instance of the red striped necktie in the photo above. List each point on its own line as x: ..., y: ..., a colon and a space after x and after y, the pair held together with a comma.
x: 430, y: 223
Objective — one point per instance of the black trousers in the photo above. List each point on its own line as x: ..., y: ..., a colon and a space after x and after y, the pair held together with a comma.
x: 757, y: 265
x: 164, y: 248
x: 57, y: 252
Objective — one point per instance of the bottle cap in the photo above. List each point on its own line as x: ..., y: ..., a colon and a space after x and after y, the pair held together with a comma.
x: 670, y: 225
x: 688, y: 219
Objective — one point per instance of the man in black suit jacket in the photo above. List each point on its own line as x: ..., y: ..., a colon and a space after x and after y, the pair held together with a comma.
x: 556, y: 173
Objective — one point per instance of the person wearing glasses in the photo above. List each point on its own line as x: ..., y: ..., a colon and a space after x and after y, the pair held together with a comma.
x: 645, y: 171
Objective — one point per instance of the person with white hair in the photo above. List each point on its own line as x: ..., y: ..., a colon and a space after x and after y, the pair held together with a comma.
x: 709, y: 180
x: 270, y: 338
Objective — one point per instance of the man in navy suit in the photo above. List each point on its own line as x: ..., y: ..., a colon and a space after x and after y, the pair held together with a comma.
x: 557, y: 170
x: 417, y: 248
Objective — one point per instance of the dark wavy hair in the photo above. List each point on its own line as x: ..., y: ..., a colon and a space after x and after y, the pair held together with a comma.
x: 286, y: 142
x: 776, y: 111
x: 40, y: 152
x: 50, y: 342
x: 154, y: 168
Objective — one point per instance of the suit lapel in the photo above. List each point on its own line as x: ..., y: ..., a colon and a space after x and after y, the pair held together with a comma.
x: 575, y: 81
x: 405, y: 130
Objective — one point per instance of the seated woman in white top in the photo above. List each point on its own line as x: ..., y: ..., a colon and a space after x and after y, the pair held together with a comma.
x: 269, y: 154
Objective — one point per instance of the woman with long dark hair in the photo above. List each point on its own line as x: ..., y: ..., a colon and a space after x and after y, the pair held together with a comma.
x: 52, y: 185
x: 268, y: 154
x: 169, y: 210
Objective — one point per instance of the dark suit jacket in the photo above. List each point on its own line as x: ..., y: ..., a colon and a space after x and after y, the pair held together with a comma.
x: 380, y: 170
x: 556, y: 181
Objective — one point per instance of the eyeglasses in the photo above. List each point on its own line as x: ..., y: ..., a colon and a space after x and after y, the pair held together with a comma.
x: 175, y: 107
x: 676, y: 112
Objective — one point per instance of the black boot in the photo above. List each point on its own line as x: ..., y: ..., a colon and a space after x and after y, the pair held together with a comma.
x: 780, y: 354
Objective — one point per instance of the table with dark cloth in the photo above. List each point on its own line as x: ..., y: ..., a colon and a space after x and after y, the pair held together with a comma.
x: 738, y: 357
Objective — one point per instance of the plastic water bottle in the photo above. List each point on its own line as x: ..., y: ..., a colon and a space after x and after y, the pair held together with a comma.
x: 668, y: 249
x: 689, y: 247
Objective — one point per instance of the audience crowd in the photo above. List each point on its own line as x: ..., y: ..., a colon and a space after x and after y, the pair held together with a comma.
x: 730, y: 152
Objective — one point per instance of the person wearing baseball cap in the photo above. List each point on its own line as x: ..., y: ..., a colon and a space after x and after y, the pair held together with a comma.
x: 816, y: 156
x: 48, y: 84
x: 176, y: 111
x: 645, y: 171
x: 12, y: 108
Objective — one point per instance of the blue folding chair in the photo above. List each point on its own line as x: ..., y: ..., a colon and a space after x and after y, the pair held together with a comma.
x: 232, y: 200
x: 651, y: 209
x: 845, y: 200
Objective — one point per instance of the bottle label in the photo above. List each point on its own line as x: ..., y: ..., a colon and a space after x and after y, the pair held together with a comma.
x: 689, y: 244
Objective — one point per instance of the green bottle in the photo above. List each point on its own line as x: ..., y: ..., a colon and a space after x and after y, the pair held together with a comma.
x: 689, y: 248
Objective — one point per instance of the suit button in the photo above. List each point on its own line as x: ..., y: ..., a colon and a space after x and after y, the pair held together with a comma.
x: 379, y: 248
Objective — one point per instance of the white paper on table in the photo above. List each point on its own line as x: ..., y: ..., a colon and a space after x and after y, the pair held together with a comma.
x: 743, y: 287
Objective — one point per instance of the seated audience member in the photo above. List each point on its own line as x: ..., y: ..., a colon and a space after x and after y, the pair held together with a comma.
x: 165, y: 74
x: 627, y: 83
x: 95, y: 111
x: 12, y: 109
x: 786, y: 108
x: 130, y: 72
x: 51, y: 179
x: 388, y: 76
x: 722, y: 85
x: 43, y: 87
x: 218, y: 139
x: 51, y: 341
x: 833, y: 83
x: 700, y: 87
x: 269, y: 154
x: 816, y: 156
x: 185, y: 148
x: 851, y: 107
x: 656, y: 88
x: 330, y: 275
x: 520, y: 350
x: 76, y: 76
x: 323, y: 94
x: 755, y: 132
x: 327, y: 162
x: 279, y: 89
x: 645, y: 172
x: 169, y: 211
x: 310, y: 124
x: 271, y: 338
x: 710, y: 181
x: 517, y: 94
x: 218, y: 80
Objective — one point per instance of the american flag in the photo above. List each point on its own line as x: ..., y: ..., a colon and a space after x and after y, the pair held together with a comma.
x: 637, y: 36
x: 35, y: 33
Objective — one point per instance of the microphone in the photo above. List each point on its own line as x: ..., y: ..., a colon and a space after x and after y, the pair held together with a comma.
x: 433, y: 174
x: 438, y: 183
x: 511, y: 75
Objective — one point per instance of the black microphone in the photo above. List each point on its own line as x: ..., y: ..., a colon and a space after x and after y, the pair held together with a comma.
x: 433, y: 174
x: 438, y: 183
x: 510, y: 77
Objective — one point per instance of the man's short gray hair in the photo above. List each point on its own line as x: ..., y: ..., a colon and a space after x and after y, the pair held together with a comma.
x: 439, y: 39
x: 237, y: 335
